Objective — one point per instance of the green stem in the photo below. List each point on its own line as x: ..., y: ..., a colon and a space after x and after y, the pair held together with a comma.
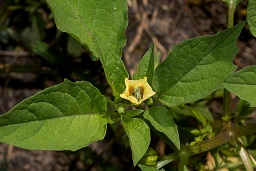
x: 167, y: 159
x: 212, y: 143
x: 231, y: 11
x: 223, y: 138
x: 183, y: 162
x: 226, y: 106
x: 226, y: 99
x: 244, y: 130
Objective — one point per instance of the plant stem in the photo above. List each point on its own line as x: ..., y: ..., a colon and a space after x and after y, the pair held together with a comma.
x: 231, y: 11
x: 223, y: 138
x: 232, y: 132
x: 212, y: 143
x: 226, y: 98
x: 167, y: 159
x: 183, y: 162
x: 226, y: 106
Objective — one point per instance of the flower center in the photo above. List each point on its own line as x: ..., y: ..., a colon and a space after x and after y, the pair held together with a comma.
x: 137, y: 92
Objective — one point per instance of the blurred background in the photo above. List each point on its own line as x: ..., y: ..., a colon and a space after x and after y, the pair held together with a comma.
x: 34, y: 55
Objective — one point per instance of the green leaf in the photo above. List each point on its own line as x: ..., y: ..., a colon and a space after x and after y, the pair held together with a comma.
x: 99, y: 25
x: 196, y: 67
x: 114, y: 70
x: 245, y: 156
x: 251, y: 16
x: 48, y: 53
x: 197, y: 110
x: 85, y: 20
x: 150, y: 158
x: 202, y: 114
x: 243, y: 109
x: 162, y: 121
x: 146, y: 66
x: 243, y: 84
x: 74, y: 47
x: 139, y: 137
x: 131, y: 113
x: 67, y: 116
x: 148, y: 168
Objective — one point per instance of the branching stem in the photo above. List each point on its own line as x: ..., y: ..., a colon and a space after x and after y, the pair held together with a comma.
x: 223, y: 138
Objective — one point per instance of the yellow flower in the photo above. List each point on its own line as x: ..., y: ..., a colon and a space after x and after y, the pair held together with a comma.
x: 137, y: 91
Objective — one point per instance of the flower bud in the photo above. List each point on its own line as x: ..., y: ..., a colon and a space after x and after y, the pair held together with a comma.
x: 149, y: 158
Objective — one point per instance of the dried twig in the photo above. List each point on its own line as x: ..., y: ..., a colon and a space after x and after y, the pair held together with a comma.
x: 139, y: 33
x: 156, y: 42
x: 14, y: 53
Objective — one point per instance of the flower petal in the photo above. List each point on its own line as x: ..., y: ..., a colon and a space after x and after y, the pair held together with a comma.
x: 136, y: 87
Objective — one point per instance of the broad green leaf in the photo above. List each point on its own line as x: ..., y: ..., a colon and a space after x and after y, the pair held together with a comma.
x: 67, y: 116
x: 243, y: 84
x: 139, y: 137
x: 162, y: 121
x: 99, y: 25
x: 148, y: 168
x: 146, y: 66
x: 196, y: 67
x: 251, y: 16
x: 85, y: 20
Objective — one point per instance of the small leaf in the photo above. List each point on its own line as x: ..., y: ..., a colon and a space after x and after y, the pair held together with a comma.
x: 67, y: 116
x: 74, y: 47
x: 146, y: 66
x: 131, y: 113
x: 243, y: 109
x: 246, y: 159
x: 48, y: 53
x: 251, y: 16
x: 162, y: 121
x: 201, y: 113
x: 139, y: 137
x: 193, y: 110
x: 243, y: 84
x: 196, y: 67
x: 148, y: 168
x: 150, y: 158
